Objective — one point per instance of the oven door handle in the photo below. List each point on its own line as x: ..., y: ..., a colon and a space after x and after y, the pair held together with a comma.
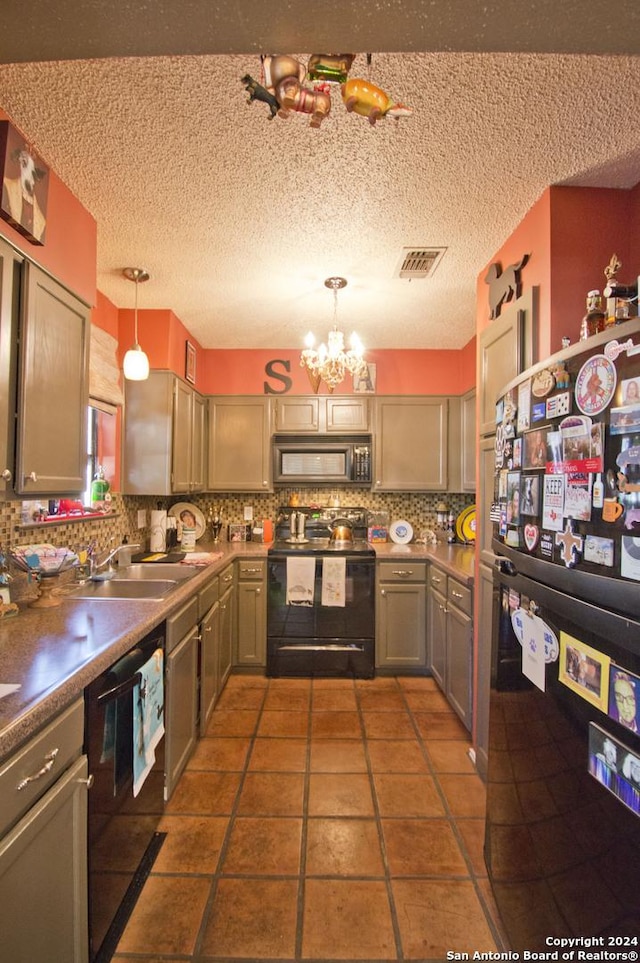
x: 121, y: 688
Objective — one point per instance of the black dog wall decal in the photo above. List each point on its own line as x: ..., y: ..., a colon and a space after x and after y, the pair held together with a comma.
x: 503, y: 285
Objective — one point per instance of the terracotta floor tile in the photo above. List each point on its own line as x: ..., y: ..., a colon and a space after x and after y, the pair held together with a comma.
x: 264, y: 847
x: 382, y: 700
x: 347, y: 919
x: 337, y: 755
x: 339, y: 794
x: 422, y: 847
x: 279, y: 755
x: 333, y: 699
x: 207, y: 793
x: 271, y: 794
x: 388, y: 725
x: 233, y: 722
x: 225, y: 755
x: 343, y: 847
x: 407, y: 795
x: 244, y: 698
x: 396, y: 755
x: 332, y: 684
x: 449, y: 755
x: 427, y: 700
x: 335, y: 725
x: 249, y: 681
x: 280, y: 723
x: 380, y: 682
x: 192, y: 845
x: 435, y: 916
x: 472, y: 832
x: 253, y: 919
x: 440, y: 725
x: 417, y: 683
x: 123, y: 842
x: 167, y: 916
x: 289, y: 698
x: 465, y: 795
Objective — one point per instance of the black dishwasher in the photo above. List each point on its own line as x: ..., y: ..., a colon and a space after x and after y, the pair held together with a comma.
x: 124, y: 742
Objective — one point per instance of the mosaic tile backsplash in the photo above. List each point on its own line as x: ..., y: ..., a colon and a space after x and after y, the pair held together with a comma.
x: 418, y: 508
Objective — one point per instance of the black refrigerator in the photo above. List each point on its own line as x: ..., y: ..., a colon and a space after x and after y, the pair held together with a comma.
x: 562, y: 841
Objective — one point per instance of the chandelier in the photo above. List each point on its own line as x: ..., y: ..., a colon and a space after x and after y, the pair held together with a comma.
x: 330, y: 362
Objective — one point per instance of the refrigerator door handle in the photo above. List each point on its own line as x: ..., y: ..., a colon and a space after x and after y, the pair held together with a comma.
x: 504, y: 565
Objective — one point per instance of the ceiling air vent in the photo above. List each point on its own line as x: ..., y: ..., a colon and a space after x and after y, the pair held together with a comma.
x: 419, y: 262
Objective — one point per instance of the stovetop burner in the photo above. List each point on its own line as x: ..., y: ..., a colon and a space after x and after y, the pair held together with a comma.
x: 316, y: 540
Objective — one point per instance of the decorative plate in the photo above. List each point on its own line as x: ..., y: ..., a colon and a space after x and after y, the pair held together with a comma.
x: 177, y: 510
x: 595, y: 384
x: 466, y: 525
x: 543, y: 383
x: 400, y: 532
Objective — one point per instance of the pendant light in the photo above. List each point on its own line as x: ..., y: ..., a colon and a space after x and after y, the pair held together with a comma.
x: 330, y: 362
x: 136, y: 363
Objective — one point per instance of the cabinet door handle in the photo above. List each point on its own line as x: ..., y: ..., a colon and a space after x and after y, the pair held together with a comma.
x: 402, y: 572
x: 443, y: 608
x: 228, y: 578
x: 382, y: 592
x: 50, y: 758
x: 252, y: 571
x: 435, y: 581
x: 258, y: 591
x: 88, y: 782
x: 6, y: 475
x: 456, y: 595
x: 32, y: 476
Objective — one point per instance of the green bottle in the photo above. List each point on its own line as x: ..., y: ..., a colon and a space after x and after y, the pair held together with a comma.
x: 99, y: 489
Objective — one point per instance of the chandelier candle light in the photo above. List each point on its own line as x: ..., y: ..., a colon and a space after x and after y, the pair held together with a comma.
x: 136, y: 363
x: 330, y: 362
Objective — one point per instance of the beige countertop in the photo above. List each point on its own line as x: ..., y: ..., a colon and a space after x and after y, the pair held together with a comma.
x: 54, y: 653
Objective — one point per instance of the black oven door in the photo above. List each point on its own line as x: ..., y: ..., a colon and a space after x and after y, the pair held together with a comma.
x: 322, y: 640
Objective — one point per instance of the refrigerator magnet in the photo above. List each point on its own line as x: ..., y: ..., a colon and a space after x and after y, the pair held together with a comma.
x: 570, y: 544
x: 598, y: 550
x: 584, y: 670
x: 531, y: 535
x: 595, y: 384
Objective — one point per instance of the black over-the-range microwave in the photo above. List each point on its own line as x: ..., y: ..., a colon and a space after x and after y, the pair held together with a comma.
x: 322, y: 459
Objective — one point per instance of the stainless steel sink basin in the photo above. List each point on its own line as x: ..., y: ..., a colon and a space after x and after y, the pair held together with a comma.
x: 125, y: 588
x: 157, y: 570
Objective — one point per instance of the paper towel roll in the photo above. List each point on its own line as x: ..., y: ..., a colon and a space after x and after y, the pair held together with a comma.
x: 158, y: 539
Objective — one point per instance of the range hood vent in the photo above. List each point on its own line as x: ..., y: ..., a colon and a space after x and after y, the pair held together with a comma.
x: 419, y: 262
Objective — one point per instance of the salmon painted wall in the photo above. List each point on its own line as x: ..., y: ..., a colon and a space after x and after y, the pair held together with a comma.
x: 70, y: 249
x: 570, y: 234
x: 398, y: 371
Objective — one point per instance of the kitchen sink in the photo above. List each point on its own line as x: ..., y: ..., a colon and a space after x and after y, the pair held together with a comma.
x: 125, y: 588
x: 157, y: 570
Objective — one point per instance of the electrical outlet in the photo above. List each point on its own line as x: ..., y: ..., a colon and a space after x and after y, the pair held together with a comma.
x: 142, y: 518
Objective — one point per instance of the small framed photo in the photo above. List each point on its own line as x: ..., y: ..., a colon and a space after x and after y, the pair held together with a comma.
x: 624, y: 698
x: 190, y: 363
x: 237, y: 532
x: 25, y: 185
x: 615, y: 766
x: 365, y: 384
x: 585, y: 671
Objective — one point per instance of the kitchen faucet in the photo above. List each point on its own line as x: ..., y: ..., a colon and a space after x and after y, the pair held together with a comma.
x: 107, y: 560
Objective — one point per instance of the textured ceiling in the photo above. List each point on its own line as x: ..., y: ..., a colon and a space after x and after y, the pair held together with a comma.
x: 240, y: 219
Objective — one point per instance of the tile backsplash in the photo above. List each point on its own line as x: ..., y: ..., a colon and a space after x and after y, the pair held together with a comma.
x: 418, y: 508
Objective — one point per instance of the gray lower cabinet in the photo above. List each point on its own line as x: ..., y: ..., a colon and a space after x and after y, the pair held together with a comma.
x: 252, y: 613
x: 227, y: 632
x: 400, y: 615
x: 43, y: 846
x: 181, y: 692
x: 451, y: 640
x: 210, y: 688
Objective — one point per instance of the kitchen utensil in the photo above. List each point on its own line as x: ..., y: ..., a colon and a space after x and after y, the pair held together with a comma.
x: 400, y: 532
x: 341, y: 530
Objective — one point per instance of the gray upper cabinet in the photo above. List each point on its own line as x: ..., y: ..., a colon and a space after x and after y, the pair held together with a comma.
x: 164, y: 435
x: 239, y: 444
x: 53, y: 392
x: 504, y: 349
x: 346, y: 414
x: 468, y: 441
x: 411, y: 444
x: 10, y: 271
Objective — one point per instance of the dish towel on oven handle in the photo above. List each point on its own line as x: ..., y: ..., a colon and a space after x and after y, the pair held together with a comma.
x: 334, y: 572
x: 301, y: 573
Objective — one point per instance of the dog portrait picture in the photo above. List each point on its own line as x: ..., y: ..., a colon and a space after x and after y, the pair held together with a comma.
x: 25, y: 185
